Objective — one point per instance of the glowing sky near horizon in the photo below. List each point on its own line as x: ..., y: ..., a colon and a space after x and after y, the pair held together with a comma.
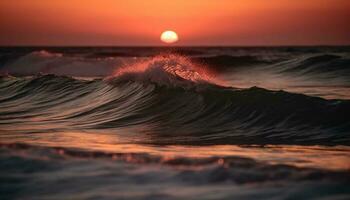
x: 198, y: 22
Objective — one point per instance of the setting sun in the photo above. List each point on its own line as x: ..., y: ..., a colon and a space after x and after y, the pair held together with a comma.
x: 169, y: 37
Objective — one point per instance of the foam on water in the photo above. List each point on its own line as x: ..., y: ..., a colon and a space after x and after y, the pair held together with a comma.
x: 33, y: 172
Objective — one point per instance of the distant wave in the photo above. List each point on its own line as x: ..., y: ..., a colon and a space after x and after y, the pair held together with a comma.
x: 171, y: 114
x: 226, y: 62
x: 319, y: 64
x: 73, y: 63
x: 60, y: 64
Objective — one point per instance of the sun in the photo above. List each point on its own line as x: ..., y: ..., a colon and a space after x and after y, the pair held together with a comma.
x: 169, y: 37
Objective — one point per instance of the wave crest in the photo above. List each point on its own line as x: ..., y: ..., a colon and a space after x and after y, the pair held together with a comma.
x: 169, y: 70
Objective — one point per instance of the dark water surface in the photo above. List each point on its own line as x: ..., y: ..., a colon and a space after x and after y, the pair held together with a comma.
x: 179, y: 123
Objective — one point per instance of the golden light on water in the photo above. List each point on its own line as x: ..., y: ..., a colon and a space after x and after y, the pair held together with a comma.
x: 294, y: 155
x: 169, y: 37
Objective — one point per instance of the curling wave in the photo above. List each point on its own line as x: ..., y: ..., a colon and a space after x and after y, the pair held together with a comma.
x: 159, y: 114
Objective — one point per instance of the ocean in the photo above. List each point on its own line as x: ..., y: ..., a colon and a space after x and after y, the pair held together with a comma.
x: 175, y: 122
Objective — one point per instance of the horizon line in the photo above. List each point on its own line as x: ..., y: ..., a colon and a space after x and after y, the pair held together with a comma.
x: 176, y: 46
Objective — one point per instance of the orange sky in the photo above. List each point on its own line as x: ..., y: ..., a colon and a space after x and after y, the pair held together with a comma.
x: 198, y: 22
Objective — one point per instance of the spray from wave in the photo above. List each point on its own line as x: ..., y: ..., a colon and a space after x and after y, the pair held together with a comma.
x: 169, y: 70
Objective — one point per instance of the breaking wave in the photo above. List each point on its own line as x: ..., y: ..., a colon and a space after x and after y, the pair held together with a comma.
x: 170, y: 70
x: 167, y: 107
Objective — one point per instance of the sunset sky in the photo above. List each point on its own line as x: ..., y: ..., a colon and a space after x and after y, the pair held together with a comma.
x: 197, y: 22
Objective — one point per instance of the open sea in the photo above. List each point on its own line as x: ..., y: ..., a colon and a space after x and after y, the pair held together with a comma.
x: 174, y: 123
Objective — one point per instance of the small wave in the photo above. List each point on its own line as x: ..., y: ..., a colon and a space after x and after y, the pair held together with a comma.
x: 59, y: 172
x: 226, y: 62
x: 210, y: 169
x: 319, y: 65
x: 60, y: 64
